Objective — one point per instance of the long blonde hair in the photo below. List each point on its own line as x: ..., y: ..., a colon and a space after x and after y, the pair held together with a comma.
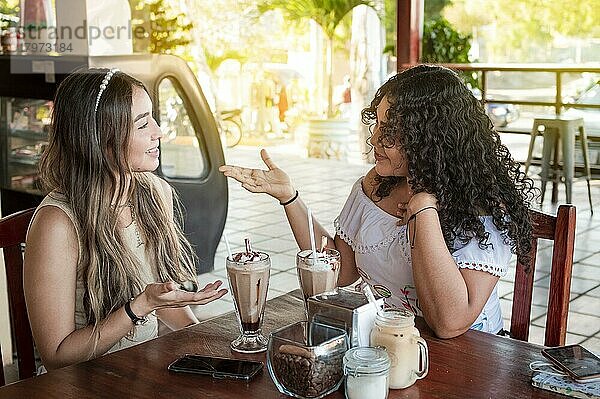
x: 86, y: 161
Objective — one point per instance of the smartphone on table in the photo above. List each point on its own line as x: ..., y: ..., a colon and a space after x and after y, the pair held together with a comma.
x: 579, y: 363
x: 217, y: 367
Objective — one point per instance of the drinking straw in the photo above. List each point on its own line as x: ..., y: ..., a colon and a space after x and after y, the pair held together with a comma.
x: 323, y: 243
x: 311, y: 233
x: 369, y: 294
x: 227, y: 245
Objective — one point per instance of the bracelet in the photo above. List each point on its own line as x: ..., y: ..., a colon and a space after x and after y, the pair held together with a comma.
x: 135, y: 319
x: 290, y: 200
x: 414, y: 217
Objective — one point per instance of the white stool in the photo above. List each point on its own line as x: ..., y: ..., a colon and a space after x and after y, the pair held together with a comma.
x: 559, y: 137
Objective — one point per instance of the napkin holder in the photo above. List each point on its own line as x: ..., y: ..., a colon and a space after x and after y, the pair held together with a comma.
x: 346, y: 309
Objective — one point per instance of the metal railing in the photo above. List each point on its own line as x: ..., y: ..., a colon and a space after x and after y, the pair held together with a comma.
x: 558, y: 70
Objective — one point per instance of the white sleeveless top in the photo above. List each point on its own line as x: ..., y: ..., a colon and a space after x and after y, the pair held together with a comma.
x: 383, y: 258
x: 148, y: 273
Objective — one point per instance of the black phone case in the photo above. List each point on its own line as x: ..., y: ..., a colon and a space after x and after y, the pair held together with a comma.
x: 214, y: 374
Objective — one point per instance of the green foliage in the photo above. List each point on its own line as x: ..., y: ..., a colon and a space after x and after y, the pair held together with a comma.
x: 521, y: 31
x: 389, y: 24
x: 326, y: 13
x: 235, y: 29
x: 342, y: 36
x: 576, y: 18
x: 167, y: 30
x: 9, y: 13
x: 389, y: 49
x: 433, y: 8
x: 9, y: 7
x: 214, y: 60
x: 444, y: 44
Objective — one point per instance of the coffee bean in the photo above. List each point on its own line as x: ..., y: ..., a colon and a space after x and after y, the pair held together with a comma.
x: 307, y: 376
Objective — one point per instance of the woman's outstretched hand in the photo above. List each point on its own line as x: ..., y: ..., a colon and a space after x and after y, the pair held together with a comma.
x: 273, y: 181
x: 169, y: 295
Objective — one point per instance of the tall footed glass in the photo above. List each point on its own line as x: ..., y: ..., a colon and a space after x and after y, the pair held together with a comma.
x: 249, y: 282
x: 320, y: 275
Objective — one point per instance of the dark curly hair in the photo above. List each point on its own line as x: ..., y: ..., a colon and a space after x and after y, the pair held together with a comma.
x: 455, y: 154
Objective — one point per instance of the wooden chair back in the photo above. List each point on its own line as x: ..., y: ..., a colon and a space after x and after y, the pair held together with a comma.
x: 560, y: 229
x: 13, y: 229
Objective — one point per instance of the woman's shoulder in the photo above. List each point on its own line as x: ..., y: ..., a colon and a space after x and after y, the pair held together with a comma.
x: 55, y: 208
x: 491, y: 230
x: 52, y: 223
x: 362, y: 224
x: 52, y: 214
x: 497, y: 242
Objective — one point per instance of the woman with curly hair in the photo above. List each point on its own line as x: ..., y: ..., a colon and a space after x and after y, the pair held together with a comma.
x: 432, y: 226
x: 106, y: 257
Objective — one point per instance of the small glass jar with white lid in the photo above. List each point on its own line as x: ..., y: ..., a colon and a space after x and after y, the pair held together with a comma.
x: 367, y: 371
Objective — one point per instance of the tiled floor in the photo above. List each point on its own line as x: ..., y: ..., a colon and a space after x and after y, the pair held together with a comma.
x: 324, y: 186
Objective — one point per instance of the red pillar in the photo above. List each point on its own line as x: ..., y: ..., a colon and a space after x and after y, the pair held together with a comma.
x: 409, y: 21
x: 35, y: 12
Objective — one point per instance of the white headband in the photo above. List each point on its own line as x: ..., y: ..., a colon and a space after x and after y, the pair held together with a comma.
x: 104, y: 84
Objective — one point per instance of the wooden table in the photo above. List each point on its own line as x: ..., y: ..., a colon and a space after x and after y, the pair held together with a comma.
x: 474, y: 365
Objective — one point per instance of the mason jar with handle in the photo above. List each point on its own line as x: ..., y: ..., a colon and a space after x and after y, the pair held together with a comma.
x: 395, y: 330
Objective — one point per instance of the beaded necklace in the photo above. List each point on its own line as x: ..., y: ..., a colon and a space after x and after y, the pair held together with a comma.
x: 135, y: 225
x: 138, y: 236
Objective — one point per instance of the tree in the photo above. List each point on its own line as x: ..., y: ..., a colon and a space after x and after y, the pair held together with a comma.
x: 243, y: 33
x: 9, y: 13
x: 444, y: 44
x: 9, y: 7
x: 168, y: 29
x: 519, y: 29
x: 389, y: 22
x: 576, y: 18
x: 327, y: 14
x: 433, y: 8
x: 213, y: 61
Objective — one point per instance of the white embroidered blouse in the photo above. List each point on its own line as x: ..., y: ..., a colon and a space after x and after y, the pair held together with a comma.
x: 383, y: 259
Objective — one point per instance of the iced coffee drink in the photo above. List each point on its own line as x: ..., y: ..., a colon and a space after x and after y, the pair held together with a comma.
x: 318, y: 275
x: 248, y: 274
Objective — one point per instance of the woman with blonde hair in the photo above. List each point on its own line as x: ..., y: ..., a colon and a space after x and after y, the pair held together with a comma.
x: 106, y: 257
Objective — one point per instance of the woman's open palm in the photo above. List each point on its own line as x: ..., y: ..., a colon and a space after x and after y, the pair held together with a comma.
x: 169, y: 295
x: 273, y: 181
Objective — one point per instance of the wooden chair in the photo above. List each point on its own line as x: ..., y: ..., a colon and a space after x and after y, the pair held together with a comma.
x: 13, y: 229
x: 560, y: 229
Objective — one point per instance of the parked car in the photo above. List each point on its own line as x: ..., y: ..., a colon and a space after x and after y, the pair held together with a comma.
x: 591, y: 116
x: 502, y: 114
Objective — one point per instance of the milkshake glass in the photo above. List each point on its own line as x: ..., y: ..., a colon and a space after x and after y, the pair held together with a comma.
x: 320, y: 275
x: 248, y: 275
